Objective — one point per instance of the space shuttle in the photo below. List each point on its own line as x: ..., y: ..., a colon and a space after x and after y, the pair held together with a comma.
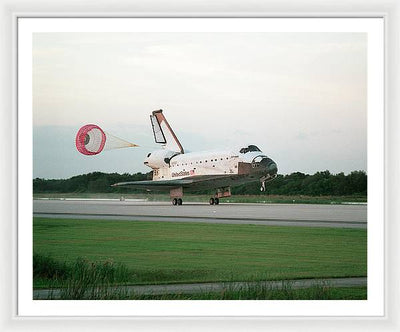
x: 177, y: 171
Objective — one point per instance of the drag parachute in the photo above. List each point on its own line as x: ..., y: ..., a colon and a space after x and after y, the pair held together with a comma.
x: 91, y: 140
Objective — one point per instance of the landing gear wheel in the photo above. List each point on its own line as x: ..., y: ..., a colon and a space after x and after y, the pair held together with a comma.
x: 179, y: 201
x: 212, y: 201
x: 216, y: 200
x: 174, y: 201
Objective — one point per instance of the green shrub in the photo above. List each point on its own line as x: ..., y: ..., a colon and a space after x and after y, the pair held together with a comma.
x: 46, y: 267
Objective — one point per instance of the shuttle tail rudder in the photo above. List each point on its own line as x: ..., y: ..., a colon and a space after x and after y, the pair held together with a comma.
x: 163, y: 133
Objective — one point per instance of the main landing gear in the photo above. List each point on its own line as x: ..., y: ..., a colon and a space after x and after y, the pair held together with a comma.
x: 177, y: 201
x: 176, y: 195
x: 214, y: 201
x: 220, y: 193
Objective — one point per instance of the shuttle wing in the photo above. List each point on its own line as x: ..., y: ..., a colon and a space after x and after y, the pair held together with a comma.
x: 156, y: 185
x: 194, y: 183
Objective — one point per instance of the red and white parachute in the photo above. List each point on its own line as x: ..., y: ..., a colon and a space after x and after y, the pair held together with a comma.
x: 91, y: 140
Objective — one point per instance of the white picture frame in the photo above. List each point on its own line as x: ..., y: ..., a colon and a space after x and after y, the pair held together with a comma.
x: 11, y: 320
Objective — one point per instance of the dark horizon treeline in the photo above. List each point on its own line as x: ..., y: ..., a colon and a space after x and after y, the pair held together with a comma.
x: 319, y: 184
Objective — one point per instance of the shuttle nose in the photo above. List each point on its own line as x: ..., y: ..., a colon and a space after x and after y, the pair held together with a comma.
x: 270, y: 165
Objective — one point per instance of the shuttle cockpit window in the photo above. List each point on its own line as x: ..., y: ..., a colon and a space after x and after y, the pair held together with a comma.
x: 250, y: 148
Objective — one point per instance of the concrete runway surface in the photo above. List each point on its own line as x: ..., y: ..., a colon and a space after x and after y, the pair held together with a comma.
x: 306, y: 215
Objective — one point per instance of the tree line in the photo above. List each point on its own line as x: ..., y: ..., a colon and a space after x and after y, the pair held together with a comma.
x: 319, y: 184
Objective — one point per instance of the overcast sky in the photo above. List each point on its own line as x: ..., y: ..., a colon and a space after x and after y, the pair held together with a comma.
x: 300, y: 97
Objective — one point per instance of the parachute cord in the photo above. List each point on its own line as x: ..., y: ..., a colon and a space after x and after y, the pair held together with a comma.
x: 149, y: 147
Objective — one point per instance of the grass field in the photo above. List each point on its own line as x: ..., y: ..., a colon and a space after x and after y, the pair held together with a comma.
x: 204, y: 198
x: 164, y: 252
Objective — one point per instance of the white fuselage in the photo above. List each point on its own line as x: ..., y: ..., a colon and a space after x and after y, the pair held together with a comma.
x: 197, y: 163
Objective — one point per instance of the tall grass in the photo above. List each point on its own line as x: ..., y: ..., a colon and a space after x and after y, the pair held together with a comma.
x: 95, y: 280
x: 83, y: 279
x: 254, y: 291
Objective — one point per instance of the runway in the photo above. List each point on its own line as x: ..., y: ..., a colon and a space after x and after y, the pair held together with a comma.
x: 305, y: 215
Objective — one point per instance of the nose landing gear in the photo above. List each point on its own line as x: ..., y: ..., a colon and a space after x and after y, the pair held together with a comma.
x: 264, y: 179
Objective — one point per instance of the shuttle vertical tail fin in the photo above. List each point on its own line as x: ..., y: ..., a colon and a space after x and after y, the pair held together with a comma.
x: 163, y: 133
